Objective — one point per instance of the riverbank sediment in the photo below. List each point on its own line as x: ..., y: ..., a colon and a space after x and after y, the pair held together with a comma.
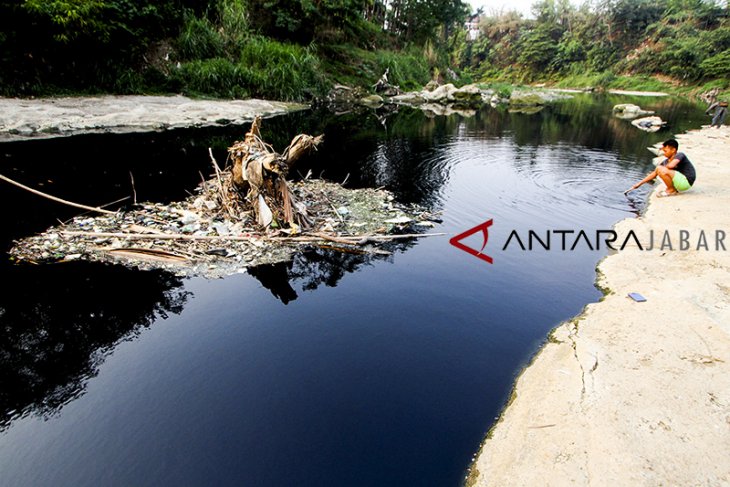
x: 22, y: 119
x: 635, y: 393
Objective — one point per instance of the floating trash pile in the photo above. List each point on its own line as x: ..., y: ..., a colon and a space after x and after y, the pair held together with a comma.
x: 196, y: 238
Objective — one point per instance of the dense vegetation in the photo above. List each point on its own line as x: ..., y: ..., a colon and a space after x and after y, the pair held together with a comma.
x: 297, y: 49
x: 620, y: 43
x: 284, y: 49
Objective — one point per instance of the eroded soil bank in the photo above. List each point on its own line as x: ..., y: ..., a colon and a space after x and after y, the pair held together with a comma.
x: 636, y: 393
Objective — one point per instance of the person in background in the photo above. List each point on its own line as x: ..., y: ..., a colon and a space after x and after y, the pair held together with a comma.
x: 720, y: 108
x: 676, y: 171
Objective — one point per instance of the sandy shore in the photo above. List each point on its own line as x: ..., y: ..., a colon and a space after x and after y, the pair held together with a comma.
x: 53, y: 117
x: 636, y: 393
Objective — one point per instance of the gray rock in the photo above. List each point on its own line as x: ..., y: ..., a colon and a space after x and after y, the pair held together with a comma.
x: 535, y: 97
x: 371, y: 101
x: 629, y: 111
x: 649, y: 124
x: 440, y: 94
x: 411, y: 98
x: 431, y: 85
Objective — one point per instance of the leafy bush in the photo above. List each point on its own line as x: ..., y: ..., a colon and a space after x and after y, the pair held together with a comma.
x: 717, y: 66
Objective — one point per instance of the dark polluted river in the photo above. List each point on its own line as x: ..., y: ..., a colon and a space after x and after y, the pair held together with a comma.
x: 332, y: 370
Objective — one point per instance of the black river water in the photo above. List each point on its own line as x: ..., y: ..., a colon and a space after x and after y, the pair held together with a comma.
x: 333, y: 370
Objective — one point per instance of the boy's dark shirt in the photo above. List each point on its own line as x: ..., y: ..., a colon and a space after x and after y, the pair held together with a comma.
x: 684, y: 166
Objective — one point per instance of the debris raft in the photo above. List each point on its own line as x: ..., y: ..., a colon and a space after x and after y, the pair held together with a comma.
x: 245, y: 215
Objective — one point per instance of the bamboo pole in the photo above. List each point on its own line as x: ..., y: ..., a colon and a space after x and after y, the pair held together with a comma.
x: 53, y: 198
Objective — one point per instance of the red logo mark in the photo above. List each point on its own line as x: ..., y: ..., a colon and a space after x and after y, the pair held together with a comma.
x: 483, y: 227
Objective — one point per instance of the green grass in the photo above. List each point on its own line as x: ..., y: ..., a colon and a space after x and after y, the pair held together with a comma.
x: 408, y: 70
x: 583, y: 80
x: 641, y: 83
x: 607, y: 80
x: 352, y: 66
x: 263, y: 68
x: 199, y: 39
x: 217, y: 77
x: 281, y: 71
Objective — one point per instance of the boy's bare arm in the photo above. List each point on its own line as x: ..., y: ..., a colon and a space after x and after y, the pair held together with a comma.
x: 652, y: 175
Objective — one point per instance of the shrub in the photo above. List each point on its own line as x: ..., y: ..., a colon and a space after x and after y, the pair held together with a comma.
x: 717, y: 66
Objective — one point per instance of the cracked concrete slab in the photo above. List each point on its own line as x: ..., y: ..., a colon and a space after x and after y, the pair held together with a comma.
x: 635, y: 393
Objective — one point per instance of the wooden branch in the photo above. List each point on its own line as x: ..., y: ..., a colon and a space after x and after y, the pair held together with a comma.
x: 134, y: 190
x: 53, y: 198
x: 222, y: 192
x: 215, y: 166
x: 333, y: 239
x: 155, y: 236
x: 357, y: 238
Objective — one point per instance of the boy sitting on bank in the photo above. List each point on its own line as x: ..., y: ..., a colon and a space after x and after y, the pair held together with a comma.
x: 676, y: 171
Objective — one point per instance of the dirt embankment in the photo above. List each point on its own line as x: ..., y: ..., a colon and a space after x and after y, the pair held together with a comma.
x: 636, y: 393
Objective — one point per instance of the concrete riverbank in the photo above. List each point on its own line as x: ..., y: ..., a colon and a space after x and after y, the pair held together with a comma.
x: 636, y: 393
x: 22, y: 119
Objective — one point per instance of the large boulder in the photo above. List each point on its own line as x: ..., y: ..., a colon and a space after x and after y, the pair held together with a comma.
x: 410, y: 98
x: 649, y: 124
x: 442, y: 94
x: 469, y: 95
x: 629, y: 111
x: 344, y: 95
x: 372, y: 101
x: 526, y: 99
x: 534, y: 98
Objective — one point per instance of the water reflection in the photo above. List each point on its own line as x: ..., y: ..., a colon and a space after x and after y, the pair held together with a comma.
x: 388, y: 377
x: 58, y: 322
x: 316, y: 267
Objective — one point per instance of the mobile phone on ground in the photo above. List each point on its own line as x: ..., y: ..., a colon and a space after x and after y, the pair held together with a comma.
x: 637, y: 297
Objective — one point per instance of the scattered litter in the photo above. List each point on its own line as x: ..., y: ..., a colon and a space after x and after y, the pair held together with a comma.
x: 637, y: 297
x: 218, y: 232
x: 399, y: 220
